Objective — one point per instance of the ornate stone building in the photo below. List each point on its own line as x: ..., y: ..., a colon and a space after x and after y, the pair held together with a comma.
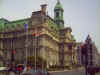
x: 88, y: 53
x: 39, y: 35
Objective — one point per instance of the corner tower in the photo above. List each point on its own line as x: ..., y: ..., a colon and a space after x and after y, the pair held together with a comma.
x: 58, y: 15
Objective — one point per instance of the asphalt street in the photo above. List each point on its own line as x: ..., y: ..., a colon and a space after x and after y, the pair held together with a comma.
x: 73, y: 72
x: 67, y: 72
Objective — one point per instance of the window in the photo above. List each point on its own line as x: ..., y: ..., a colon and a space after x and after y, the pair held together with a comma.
x: 70, y: 47
x: 57, y: 14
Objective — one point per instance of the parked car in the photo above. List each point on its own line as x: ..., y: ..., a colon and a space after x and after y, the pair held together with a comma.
x: 37, y: 72
x: 3, y: 70
x: 31, y: 70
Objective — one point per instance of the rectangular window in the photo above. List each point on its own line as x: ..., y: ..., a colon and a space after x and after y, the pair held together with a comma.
x: 57, y: 14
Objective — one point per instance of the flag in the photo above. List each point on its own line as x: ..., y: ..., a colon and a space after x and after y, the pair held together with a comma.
x: 26, y: 26
x: 35, y: 33
x: 14, y: 52
x: 39, y: 34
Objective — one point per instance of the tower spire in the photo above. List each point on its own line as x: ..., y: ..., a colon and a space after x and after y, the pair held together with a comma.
x: 58, y: 15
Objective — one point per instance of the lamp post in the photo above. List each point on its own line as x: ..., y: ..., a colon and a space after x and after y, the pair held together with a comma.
x: 35, y: 42
x: 84, y: 57
x: 26, y: 42
x: 36, y: 35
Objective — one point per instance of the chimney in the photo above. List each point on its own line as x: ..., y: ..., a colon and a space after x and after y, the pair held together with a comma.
x: 43, y: 8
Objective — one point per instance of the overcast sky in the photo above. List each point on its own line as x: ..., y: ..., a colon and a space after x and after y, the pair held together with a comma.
x: 82, y: 15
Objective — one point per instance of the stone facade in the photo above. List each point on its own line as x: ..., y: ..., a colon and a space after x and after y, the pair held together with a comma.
x: 87, y: 52
x: 39, y: 35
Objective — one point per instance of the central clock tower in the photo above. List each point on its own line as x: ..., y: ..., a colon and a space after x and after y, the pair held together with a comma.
x: 58, y: 15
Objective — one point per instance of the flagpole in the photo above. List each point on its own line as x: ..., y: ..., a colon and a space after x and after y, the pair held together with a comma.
x: 26, y: 47
x: 12, y: 55
x: 44, y: 50
x: 26, y: 41
x: 35, y: 45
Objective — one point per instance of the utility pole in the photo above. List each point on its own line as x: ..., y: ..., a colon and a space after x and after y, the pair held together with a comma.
x: 84, y: 57
x: 35, y: 45
x: 35, y: 48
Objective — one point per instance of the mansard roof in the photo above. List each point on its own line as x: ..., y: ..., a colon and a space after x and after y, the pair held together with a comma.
x: 6, y: 25
x: 12, y: 25
x: 2, y: 23
x: 3, y: 20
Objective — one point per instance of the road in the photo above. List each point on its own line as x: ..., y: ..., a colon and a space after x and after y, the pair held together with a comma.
x: 98, y: 73
x: 73, y: 72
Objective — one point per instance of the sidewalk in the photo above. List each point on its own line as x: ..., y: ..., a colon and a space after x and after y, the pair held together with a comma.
x: 81, y: 68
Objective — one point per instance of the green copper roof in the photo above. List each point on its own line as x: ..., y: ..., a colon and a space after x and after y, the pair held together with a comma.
x: 53, y: 26
x: 58, y: 15
x: 2, y: 23
x: 58, y: 5
x: 6, y: 25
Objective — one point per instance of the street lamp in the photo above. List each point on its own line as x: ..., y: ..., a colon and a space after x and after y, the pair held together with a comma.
x: 84, y: 57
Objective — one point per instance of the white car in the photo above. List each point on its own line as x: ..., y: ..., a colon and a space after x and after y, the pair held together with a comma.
x: 3, y: 70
